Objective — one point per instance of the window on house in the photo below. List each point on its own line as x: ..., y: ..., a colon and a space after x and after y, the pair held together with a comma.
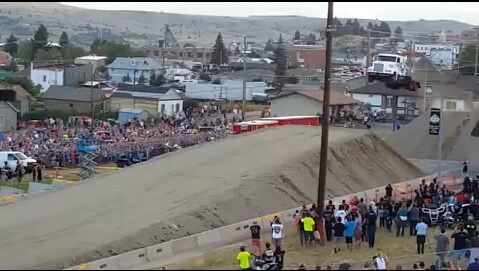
x: 44, y: 78
x: 451, y: 105
x: 199, y: 55
x: 162, y: 108
x: 177, y: 108
x: 180, y: 54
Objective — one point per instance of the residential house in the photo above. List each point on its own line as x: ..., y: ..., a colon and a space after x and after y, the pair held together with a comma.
x: 156, y: 100
x: 457, y: 91
x: 132, y: 68
x: 8, y: 116
x: 5, y: 59
x: 59, y: 75
x: 391, y: 101
x: 231, y: 90
x: 445, y: 55
x: 306, y: 56
x: 76, y: 99
x: 309, y: 102
x: 18, y: 96
x: 97, y: 62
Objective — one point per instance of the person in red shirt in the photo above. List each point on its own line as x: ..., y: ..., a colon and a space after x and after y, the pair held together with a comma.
x: 462, y: 198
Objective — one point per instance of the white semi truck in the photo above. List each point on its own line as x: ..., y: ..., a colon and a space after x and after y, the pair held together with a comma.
x: 393, y: 70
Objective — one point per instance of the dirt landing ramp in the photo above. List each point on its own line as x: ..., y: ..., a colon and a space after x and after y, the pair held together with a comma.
x: 195, y: 189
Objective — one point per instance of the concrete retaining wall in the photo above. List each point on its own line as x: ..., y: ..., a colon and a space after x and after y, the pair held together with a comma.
x: 231, y: 233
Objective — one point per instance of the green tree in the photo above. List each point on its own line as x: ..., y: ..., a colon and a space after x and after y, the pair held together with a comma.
x: 126, y: 78
x: 398, y: 35
x: 385, y: 29
x: 64, y: 40
x: 281, y: 62
x: 219, y: 55
x: 12, y: 67
x: 297, y: 35
x: 311, y: 39
x: 157, y: 79
x: 25, y: 51
x: 112, y: 50
x: 142, y: 79
x: 40, y: 39
x: 11, y: 46
x: 269, y: 47
x: 24, y: 83
x: 370, y: 25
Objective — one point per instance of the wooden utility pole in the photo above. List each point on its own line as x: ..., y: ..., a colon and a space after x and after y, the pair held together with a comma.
x: 323, y: 156
x: 368, y: 57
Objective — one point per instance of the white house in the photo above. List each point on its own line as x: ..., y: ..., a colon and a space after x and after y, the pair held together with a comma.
x: 443, y: 55
x: 47, y: 76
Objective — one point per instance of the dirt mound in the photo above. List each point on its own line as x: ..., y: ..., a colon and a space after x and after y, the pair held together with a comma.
x: 190, y: 191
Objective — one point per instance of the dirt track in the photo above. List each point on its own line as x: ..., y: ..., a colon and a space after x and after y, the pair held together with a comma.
x: 197, y: 189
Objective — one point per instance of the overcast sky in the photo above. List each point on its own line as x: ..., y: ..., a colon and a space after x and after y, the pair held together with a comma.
x: 460, y: 11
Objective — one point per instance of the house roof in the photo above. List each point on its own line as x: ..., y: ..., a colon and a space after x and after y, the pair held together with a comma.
x: 138, y: 63
x: 336, y: 98
x: 379, y: 88
x: 5, y: 59
x: 80, y: 94
x: 144, y: 88
x: 21, y: 93
x: 131, y: 110
x: 91, y: 57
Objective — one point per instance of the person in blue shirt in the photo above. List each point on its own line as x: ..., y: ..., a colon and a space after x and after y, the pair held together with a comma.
x: 421, y: 229
x: 474, y: 265
x: 349, y: 233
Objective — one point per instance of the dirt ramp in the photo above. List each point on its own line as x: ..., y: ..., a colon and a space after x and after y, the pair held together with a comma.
x: 190, y: 191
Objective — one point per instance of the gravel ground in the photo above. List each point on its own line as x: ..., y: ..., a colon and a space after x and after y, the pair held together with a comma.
x: 195, y: 189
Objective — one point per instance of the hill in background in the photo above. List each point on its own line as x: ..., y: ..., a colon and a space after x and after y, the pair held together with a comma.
x: 145, y: 28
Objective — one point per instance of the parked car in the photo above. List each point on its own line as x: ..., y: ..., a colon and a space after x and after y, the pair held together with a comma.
x: 12, y: 157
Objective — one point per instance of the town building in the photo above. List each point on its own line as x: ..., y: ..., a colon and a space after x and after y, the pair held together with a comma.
x: 17, y: 96
x: 97, y: 62
x: 59, y: 75
x: 8, y: 116
x: 311, y: 57
x: 196, y: 54
x: 156, y: 100
x: 309, y: 103
x: 76, y: 99
x: 131, y: 69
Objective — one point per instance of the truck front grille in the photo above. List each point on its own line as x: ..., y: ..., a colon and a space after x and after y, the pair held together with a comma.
x: 378, y: 67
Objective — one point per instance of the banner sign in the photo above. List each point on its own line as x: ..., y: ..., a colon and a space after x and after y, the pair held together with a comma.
x: 434, y: 121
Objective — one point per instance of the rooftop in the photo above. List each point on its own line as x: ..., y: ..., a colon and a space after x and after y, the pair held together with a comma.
x: 81, y: 94
x: 138, y: 63
x: 91, y: 57
x: 337, y: 98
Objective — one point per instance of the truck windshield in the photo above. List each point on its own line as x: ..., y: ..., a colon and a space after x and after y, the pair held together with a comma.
x: 20, y: 156
x: 387, y: 58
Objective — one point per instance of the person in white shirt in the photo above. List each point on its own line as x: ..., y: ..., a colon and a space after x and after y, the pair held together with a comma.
x: 380, y: 262
x: 277, y: 232
x: 341, y: 214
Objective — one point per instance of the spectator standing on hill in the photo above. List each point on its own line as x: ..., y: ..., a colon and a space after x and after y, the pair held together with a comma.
x: 371, y: 229
x: 302, y: 236
x: 279, y: 254
x: 349, y: 233
x: 308, y: 224
x: 389, y: 191
x: 442, y: 245
x: 339, y: 229
x: 382, y: 214
x: 362, y: 206
x: 256, y: 237
x: 328, y: 223
x: 341, y: 214
x: 421, y: 229
x: 277, y: 232
x: 414, y: 217
x: 402, y: 220
x: 460, y: 237
x: 470, y: 226
x: 243, y: 258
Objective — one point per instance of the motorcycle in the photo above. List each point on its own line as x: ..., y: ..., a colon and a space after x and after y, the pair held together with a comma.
x: 260, y: 264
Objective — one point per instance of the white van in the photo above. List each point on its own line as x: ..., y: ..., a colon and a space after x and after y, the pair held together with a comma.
x: 11, y: 157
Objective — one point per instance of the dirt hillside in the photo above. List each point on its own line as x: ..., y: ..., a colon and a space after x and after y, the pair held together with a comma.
x: 197, y: 189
